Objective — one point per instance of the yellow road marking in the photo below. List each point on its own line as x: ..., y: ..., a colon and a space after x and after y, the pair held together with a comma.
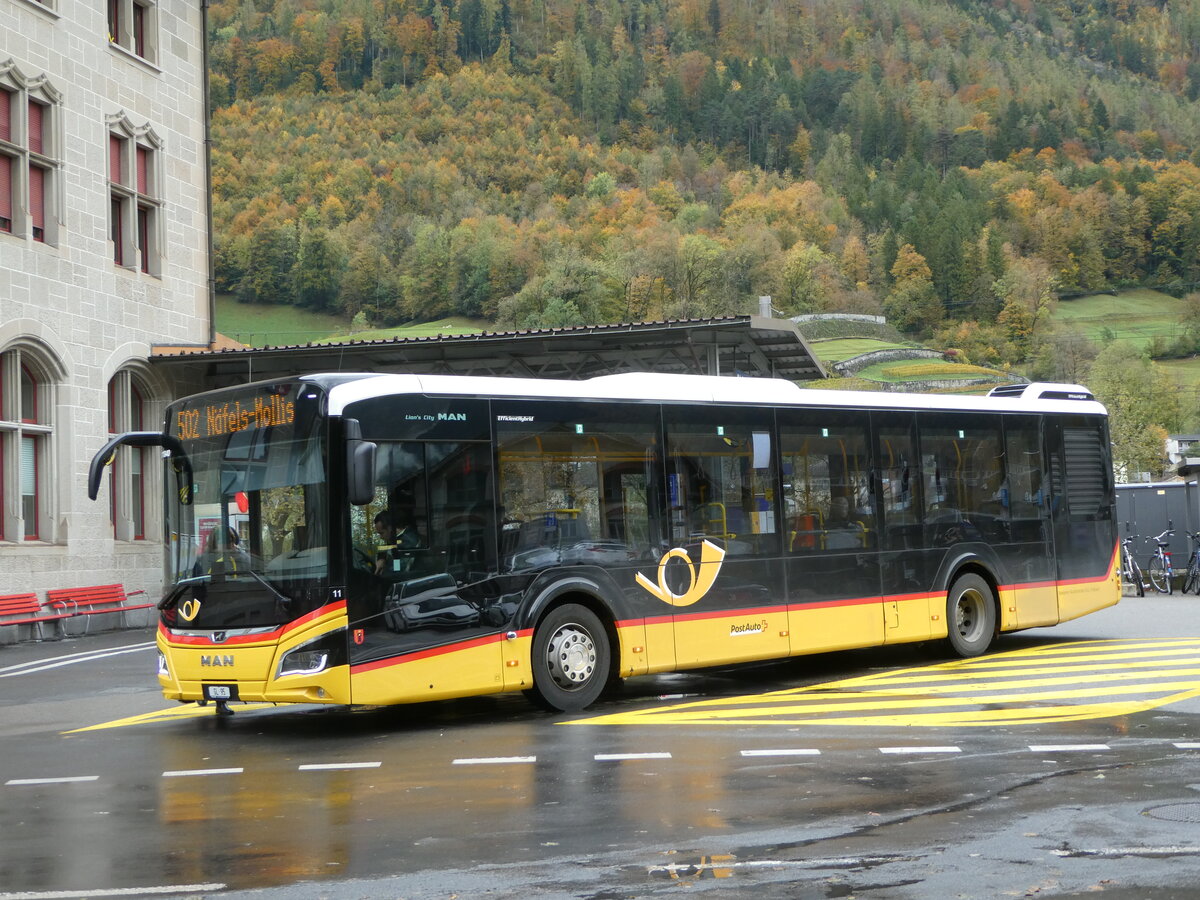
x: 186, y: 711
x: 1023, y: 686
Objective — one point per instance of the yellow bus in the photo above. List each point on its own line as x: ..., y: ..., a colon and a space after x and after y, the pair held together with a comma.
x: 381, y: 539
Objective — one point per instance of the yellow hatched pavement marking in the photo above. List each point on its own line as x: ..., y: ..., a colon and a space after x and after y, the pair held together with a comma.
x: 187, y: 711
x: 1044, y: 684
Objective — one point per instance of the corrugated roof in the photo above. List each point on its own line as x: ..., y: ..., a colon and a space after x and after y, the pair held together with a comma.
x: 747, y: 345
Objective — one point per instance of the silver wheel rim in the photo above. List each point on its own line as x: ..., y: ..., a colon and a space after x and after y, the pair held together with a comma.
x: 970, y: 614
x: 571, y: 656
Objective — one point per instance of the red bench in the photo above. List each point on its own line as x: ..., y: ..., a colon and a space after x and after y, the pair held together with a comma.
x: 93, y: 601
x: 26, y: 609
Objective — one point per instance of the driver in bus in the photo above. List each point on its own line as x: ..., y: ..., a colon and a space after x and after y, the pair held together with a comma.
x: 396, y: 543
x: 223, y: 554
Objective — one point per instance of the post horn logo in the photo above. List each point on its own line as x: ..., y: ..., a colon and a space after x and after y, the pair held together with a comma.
x: 700, y: 582
x: 189, y: 609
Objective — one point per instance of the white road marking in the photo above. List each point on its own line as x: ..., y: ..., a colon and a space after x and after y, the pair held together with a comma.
x: 183, y: 773
x: 1105, y: 852
x: 1066, y: 748
x: 70, y: 779
x: 713, y: 864
x: 613, y: 757
x: 114, y: 892
x: 1187, y: 745
x: 920, y: 750
x: 42, y: 665
x: 798, y: 752
x: 314, y: 767
x: 493, y: 760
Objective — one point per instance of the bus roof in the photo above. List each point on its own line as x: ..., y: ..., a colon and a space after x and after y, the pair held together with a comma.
x: 1036, y: 397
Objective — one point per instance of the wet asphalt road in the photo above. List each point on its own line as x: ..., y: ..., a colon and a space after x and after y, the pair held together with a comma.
x: 1063, y: 767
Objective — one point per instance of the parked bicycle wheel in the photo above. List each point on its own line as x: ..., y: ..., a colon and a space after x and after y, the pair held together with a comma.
x: 1191, y: 581
x: 1158, y: 575
x: 1138, y: 578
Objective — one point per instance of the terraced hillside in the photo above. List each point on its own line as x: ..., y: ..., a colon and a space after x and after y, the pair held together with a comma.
x: 870, y: 364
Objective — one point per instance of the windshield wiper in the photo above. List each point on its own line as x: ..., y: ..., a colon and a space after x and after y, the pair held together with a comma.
x: 281, y: 598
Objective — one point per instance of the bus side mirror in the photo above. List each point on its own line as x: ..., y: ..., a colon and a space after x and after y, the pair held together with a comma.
x: 179, y: 460
x: 360, y: 466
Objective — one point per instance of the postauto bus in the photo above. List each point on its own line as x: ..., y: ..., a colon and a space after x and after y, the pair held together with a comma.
x: 558, y: 536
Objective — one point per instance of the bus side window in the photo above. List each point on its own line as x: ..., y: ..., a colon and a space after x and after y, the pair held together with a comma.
x: 575, y: 484
x: 826, y: 482
x: 721, y: 478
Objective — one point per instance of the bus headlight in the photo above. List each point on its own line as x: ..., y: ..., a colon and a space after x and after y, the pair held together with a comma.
x: 162, y: 665
x: 315, y: 656
x: 303, y: 662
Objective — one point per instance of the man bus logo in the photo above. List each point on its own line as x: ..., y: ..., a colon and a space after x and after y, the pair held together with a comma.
x: 189, y: 609
x: 216, y: 661
x: 700, y: 583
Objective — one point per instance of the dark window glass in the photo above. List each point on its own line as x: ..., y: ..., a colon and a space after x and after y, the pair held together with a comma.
x: 721, y: 479
x: 577, y: 484
x: 962, y: 466
x: 826, y: 482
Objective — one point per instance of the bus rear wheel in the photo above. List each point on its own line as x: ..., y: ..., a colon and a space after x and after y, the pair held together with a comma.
x: 571, y: 658
x: 970, y: 616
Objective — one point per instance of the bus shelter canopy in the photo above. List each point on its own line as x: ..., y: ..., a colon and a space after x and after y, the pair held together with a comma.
x: 733, y: 345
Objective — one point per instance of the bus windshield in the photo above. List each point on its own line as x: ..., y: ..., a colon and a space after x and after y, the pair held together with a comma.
x: 250, y: 548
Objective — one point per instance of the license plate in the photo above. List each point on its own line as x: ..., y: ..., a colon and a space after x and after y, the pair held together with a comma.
x: 220, y: 692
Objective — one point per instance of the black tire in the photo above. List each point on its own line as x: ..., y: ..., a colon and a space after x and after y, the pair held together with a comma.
x: 970, y: 616
x: 1158, y: 575
x: 1139, y: 579
x: 571, y: 657
x: 1192, y: 579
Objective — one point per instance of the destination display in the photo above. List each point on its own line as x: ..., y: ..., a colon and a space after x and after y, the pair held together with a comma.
x: 231, y: 416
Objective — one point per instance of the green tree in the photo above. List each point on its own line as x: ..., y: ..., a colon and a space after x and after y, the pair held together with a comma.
x: 269, y: 264
x: 912, y: 305
x: 320, y: 263
x: 1143, y: 406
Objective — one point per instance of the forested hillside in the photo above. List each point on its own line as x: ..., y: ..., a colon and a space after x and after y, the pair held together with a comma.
x: 955, y: 165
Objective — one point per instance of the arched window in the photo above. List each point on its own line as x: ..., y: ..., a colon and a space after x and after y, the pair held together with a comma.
x: 26, y: 430
x: 127, y: 411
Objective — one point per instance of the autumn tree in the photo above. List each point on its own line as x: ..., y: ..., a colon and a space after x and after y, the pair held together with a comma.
x: 912, y: 305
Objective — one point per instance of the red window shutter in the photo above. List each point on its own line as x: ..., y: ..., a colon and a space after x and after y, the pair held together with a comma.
x: 5, y: 193
x: 143, y: 169
x: 116, y: 166
x: 5, y: 115
x: 36, y: 139
x: 37, y: 199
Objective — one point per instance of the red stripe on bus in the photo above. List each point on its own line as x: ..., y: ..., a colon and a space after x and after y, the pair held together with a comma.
x: 434, y: 651
x: 274, y: 635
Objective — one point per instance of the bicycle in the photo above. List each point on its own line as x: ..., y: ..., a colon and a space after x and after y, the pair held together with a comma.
x: 1191, y: 581
x: 1131, y: 572
x: 1160, y: 563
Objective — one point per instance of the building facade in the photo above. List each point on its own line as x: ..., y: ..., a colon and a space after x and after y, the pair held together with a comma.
x: 104, y: 253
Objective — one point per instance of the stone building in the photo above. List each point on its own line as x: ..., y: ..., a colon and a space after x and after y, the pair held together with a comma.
x: 104, y: 253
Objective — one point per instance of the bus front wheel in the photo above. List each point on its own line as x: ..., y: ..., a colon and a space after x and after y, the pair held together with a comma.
x: 970, y: 615
x: 570, y: 659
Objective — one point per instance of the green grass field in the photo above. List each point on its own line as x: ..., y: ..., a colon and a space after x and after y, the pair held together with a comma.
x: 259, y: 325
x: 1132, y: 317
x: 838, y: 349
x: 1135, y: 318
